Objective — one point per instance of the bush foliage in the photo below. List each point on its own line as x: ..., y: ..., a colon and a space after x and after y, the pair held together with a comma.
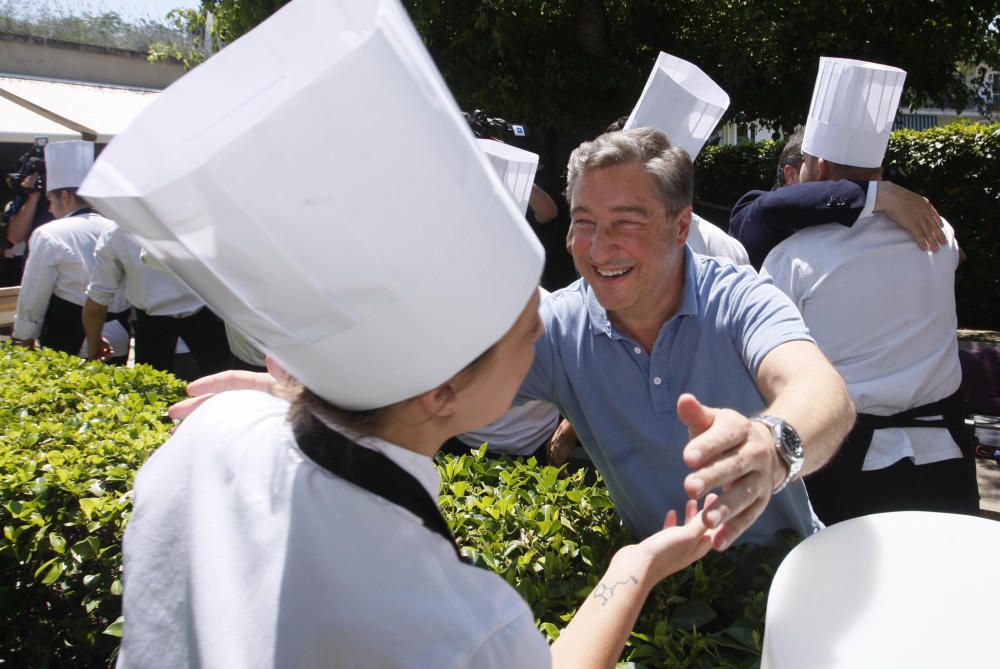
x: 956, y: 166
x: 75, y: 433
x: 552, y: 538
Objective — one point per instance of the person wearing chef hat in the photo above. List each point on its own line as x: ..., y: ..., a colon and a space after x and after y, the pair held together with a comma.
x: 685, y: 104
x: 306, y: 533
x: 883, y: 311
x: 53, y: 288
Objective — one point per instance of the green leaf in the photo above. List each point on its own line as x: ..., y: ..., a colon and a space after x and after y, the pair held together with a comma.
x: 115, y: 628
x: 693, y: 613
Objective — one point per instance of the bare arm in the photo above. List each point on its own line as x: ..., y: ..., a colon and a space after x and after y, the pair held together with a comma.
x: 597, y: 634
x: 93, y: 316
x: 201, y: 389
x: 542, y: 205
x: 730, y: 452
x: 913, y: 212
x: 20, y: 223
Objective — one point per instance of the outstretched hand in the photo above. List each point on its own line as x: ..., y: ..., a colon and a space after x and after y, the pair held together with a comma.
x: 729, y: 452
x: 200, y: 390
x: 676, y: 546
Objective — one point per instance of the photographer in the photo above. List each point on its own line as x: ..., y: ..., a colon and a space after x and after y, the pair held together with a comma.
x: 23, y: 215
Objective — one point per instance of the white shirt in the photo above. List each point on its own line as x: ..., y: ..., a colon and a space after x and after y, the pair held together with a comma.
x: 519, y: 431
x: 707, y: 239
x: 62, y: 255
x: 118, y: 265
x: 241, y: 552
x: 883, y: 312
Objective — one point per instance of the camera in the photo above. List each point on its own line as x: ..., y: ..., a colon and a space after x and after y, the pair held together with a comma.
x: 493, y: 127
x: 32, y: 162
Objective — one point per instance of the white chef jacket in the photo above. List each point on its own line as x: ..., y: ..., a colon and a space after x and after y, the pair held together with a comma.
x: 707, y: 239
x: 241, y: 552
x: 883, y: 312
x: 118, y: 265
x: 62, y: 255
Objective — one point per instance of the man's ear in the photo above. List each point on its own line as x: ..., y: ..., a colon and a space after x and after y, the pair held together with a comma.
x: 824, y: 169
x: 684, y: 224
x: 791, y: 175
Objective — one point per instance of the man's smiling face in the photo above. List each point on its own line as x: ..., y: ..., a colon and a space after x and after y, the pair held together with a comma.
x: 623, y: 241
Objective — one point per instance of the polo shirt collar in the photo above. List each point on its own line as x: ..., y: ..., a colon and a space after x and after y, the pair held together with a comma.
x: 601, y: 324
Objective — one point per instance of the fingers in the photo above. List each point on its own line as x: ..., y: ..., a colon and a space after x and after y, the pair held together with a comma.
x: 725, y: 534
x: 276, y: 370
x: 694, y: 414
x: 716, y: 454
x: 185, y: 408
x: 561, y: 444
x: 230, y: 380
x: 558, y: 454
x: 671, y: 519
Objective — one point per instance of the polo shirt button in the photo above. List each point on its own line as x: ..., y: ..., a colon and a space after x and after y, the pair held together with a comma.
x: 657, y: 380
x: 637, y: 349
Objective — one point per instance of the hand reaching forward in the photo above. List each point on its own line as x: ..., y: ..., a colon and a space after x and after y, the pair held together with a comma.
x: 676, y: 546
x: 731, y: 453
x: 207, y: 386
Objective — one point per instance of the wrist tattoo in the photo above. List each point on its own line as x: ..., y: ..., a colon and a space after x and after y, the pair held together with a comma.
x: 605, y: 592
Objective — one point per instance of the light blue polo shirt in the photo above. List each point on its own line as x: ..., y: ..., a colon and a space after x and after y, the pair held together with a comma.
x: 623, y: 402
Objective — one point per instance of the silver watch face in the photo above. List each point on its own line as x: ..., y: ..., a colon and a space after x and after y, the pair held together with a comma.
x: 790, y: 442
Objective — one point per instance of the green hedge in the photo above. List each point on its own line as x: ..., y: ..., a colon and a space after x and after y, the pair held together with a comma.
x: 956, y: 166
x: 75, y: 433
x: 552, y: 538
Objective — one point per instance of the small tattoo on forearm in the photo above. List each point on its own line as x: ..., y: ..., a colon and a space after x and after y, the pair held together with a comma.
x: 606, y: 592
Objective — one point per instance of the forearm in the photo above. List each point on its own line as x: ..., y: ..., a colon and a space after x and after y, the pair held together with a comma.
x: 598, y: 632
x: 811, y: 396
x: 20, y: 223
x: 93, y: 325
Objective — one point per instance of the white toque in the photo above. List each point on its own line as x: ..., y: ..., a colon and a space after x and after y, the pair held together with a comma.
x: 853, y: 107
x: 680, y: 101
x: 515, y: 167
x: 316, y: 184
x: 67, y: 163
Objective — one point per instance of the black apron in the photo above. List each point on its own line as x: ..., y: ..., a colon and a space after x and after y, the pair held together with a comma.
x: 952, y: 409
x: 373, y: 471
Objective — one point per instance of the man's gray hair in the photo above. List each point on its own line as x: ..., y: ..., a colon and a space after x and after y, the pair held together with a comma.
x: 670, y: 166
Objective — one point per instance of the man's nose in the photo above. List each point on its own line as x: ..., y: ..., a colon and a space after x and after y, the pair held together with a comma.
x: 602, y: 245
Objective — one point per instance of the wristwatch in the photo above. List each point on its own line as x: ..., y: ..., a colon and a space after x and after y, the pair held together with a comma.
x: 788, y: 445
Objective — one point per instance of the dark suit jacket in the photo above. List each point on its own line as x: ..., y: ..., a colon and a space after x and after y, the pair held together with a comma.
x: 763, y: 219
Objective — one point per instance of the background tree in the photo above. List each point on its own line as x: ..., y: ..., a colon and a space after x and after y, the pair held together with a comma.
x: 566, y: 68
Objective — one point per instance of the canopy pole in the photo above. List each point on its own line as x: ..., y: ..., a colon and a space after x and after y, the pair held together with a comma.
x: 85, y: 132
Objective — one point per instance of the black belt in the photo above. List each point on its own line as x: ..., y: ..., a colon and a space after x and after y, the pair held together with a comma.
x: 952, y: 410
x: 373, y: 471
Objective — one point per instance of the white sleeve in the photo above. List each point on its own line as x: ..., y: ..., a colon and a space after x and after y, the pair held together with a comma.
x: 519, y: 644
x: 783, y: 270
x: 39, y: 279
x: 107, y: 273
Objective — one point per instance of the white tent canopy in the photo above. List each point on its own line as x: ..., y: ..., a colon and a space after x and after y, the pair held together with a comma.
x: 63, y: 110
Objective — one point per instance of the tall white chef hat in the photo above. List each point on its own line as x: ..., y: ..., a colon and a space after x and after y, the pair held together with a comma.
x: 67, y: 163
x: 515, y: 167
x: 680, y: 101
x: 853, y: 106
x: 317, y: 185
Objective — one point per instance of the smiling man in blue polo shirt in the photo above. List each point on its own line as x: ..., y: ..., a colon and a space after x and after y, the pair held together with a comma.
x: 639, y: 352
